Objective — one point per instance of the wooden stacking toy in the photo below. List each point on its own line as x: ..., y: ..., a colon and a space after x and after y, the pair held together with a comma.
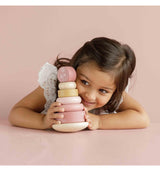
x: 68, y: 96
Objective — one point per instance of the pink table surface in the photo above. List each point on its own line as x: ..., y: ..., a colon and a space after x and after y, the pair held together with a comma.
x: 21, y: 146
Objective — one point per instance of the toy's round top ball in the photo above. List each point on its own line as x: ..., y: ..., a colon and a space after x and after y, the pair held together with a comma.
x: 66, y: 74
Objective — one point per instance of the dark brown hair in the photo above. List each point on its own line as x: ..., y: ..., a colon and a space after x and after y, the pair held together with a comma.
x: 110, y: 56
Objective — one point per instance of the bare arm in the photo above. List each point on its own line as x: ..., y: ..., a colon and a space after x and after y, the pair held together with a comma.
x: 130, y: 115
x: 26, y: 113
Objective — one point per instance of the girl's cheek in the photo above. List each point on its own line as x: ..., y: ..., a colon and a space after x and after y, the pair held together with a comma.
x: 80, y: 88
x: 101, y: 102
x: 77, y: 84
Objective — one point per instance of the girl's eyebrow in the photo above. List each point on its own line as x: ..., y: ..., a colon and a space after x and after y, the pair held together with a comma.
x: 108, y: 88
x: 85, y: 77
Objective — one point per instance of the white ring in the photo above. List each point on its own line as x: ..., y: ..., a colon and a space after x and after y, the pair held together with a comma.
x: 68, y: 100
x: 67, y: 85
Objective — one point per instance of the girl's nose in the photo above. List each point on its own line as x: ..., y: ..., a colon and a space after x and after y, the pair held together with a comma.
x: 90, y: 95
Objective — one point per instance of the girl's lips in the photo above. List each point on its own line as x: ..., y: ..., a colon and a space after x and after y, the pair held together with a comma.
x: 87, y: 103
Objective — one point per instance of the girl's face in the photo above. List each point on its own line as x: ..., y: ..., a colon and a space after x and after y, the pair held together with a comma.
x: 95, y: 87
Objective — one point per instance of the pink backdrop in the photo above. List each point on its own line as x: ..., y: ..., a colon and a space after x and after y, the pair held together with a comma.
x: 30, y: 36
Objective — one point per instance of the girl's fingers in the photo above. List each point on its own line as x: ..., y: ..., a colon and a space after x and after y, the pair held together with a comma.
x: 53, y: 121
x: 55, y: 104
x: 85, y: 109
x: 89, y: 126
x: 55, y: 109
x: 89, y: 121
x: 86, y: 117
x: 57, y: 116
x: 58, y: 109
x: 56, y: 122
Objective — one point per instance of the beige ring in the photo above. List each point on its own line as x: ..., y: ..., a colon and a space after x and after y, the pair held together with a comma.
x: 67, y: 93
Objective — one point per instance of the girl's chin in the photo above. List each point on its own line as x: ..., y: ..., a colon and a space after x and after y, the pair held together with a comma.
x: 89, y: 108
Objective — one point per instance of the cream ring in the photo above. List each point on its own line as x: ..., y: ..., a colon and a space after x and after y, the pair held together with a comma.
x: 67, y: 85
x: 68, y: 100
x: 71, y: 117
x: 70, y: 127
x: 67, y: 93
x: 73, y: 107
x: 66, y: 74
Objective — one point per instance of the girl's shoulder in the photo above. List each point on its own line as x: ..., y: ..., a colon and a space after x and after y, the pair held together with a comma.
x: 47, y: 75
x: 48, y: 81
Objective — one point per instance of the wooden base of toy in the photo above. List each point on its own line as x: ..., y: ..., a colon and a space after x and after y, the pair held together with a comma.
x: 70, y: 127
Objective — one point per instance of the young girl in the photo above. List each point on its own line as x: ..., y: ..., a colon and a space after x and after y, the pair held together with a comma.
x: 103, y: 68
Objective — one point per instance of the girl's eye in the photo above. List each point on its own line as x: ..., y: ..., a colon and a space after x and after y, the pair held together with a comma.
x: 103, y: 91
x: 84, y: 82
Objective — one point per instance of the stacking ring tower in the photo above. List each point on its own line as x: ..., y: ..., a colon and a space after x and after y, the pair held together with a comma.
x: 71, y: 102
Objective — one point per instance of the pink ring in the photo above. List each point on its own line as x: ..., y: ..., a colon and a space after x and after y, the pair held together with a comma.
x: 71, y: 117
x: 66, y: 74
x: 73, y: 107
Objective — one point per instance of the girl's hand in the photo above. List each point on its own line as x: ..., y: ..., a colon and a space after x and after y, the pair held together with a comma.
x: 92, y: 119
x: 51, y: 116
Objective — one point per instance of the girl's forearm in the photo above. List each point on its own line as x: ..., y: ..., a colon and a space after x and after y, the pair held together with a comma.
x: 128, y: 119
x: 24, y: 117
